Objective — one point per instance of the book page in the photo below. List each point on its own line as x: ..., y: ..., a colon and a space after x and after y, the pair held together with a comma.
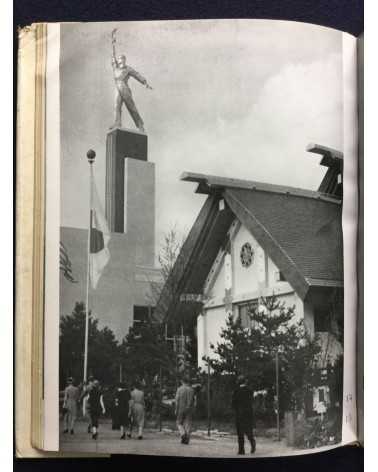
x: 350, y: 220
x: 51, y: 352
x: 24, y: 246
x: 201, y: 197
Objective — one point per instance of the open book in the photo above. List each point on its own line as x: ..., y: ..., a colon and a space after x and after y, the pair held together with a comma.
x: 187, y: 213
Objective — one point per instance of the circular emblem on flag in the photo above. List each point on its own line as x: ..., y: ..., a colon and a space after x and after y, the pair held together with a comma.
x: 246, y: 255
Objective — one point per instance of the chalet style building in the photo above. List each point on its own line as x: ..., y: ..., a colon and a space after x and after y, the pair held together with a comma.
x: 255, y: 239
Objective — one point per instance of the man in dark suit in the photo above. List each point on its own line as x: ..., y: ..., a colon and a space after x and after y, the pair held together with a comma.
x: 242, y: 399
x: 184, y: 407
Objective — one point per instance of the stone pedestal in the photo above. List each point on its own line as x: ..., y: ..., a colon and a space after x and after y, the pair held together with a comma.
x: 130, y: 191
x: 120, y: 144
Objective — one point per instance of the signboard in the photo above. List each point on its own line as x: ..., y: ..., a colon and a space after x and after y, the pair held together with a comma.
x: 192, y: 297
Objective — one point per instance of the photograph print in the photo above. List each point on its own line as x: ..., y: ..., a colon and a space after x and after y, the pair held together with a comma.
x: 201, y: 246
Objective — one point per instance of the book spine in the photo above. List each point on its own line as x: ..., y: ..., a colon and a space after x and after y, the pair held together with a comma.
x: 29, y: 239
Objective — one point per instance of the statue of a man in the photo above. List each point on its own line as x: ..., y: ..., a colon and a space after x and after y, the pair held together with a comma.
x: 122, y: 72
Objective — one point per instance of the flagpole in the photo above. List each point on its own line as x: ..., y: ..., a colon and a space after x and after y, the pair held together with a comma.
x: 91, y: 158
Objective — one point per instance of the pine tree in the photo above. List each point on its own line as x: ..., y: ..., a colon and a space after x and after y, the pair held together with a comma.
x: 103, y: 350
x: 144, y: 352
x: 252, y: 350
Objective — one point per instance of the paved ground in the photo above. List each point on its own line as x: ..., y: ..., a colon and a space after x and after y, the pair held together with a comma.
x: 165, y: 443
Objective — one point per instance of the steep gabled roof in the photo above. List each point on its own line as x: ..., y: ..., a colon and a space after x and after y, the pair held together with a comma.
x: 302, y: 236
x: 299, y: 229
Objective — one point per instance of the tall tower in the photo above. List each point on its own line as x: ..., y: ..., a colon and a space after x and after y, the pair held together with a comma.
x: 130, y: 191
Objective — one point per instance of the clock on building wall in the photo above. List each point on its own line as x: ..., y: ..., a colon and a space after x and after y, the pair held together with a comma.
x: 246, y: 255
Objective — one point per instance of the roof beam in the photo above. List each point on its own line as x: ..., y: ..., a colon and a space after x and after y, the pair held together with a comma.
x: 214, y: 185
x: 331, y: 157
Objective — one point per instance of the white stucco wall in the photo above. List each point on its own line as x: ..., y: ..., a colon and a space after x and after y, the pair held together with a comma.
x: 246, y: 279
x: 248, y: 284
x: 218, y: 288
x: 209, y: 326
x: 272, y: 273
x: 201, y: 341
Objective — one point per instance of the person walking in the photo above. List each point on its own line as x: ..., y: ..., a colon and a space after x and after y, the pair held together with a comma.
x: 242, y: 400
x: 71, y: 397
x: 121, y: 408
x: 137, y: 410
x: 184, y: 406
x: 85, y: 396
x: 96, y: 405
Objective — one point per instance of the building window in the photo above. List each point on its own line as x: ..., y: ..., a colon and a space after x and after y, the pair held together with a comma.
x: 141, y: 314
x: 322, y: 318
x: 244, y: 314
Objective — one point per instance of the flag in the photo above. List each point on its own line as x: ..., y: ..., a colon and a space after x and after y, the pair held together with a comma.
x: 99, y: 239
x: 65, y: 264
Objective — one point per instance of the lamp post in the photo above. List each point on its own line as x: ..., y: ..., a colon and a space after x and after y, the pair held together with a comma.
x: 160, y: 396
x: 208, y: 400
x: 91, y: 155
x: 278, y: 397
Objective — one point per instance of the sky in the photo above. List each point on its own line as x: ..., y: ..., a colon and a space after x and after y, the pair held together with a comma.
x: 234, y: 98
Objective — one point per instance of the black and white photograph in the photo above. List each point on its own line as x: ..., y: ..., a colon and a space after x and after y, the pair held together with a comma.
x: 201, y: 293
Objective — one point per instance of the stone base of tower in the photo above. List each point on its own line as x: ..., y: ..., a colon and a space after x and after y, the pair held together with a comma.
x: 125, y: 287
x: 120, y: 144
x: 139, y: 209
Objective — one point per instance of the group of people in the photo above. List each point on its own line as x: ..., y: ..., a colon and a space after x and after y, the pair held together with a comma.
x: 129, y: 409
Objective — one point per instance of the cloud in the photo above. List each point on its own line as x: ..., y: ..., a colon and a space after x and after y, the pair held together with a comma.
x: 237, y: 98
x: 299, y: 104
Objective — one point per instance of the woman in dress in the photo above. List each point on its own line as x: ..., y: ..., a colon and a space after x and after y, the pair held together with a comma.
x: 84, y: 398
x: 121, y: 410
x: 137, y: 409
x: 96, y: 405
x: 71, y: 397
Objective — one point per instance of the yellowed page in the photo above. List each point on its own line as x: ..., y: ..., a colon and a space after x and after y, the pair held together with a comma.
x: 24, y: 238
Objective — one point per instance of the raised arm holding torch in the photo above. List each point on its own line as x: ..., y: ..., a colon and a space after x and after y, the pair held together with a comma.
x: 122, y: 72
